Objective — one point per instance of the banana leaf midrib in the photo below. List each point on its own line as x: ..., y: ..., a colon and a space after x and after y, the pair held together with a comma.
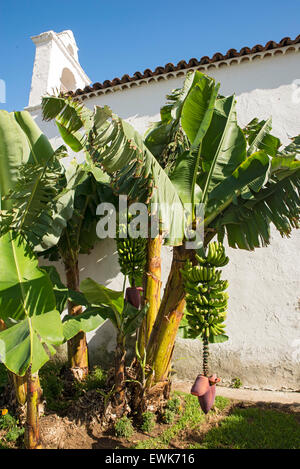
x: 19, y: 277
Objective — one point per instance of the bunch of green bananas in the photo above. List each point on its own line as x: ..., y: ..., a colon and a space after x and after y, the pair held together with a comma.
x: 206, y: 300
x: 215, y: 255
x: 132, y: 253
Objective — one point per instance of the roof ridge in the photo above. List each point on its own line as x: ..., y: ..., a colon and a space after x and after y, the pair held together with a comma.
x: 183, y: 65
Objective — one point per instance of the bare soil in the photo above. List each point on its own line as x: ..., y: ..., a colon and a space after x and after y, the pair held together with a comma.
x: 81, y: 433
x: 81, y: 426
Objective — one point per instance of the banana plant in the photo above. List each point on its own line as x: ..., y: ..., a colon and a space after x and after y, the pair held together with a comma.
x: 31, y: 301
x: 52, y: 207
x: 21, y: 141
x: 32, y: 323
x: 70, y: 118
x: 79, y: 237
x: 244, y: 178
x: 125, y: 318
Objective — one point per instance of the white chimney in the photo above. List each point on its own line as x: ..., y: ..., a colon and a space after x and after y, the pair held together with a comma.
x: 56, y: 67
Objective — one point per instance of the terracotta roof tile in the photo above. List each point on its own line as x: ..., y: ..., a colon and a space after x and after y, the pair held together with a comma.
x: 169, y: 67
x: 183, y: 65
x: 204, y: 60
x: 245, y: 51
x: 125, y: 79
x: 231, y: 53
x: 97, y: 86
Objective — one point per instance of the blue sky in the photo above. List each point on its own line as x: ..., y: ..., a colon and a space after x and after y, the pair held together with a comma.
x: 121, y: 37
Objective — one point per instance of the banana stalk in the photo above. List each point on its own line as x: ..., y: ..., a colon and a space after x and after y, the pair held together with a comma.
x: 205, y: 356
x: 120, y: 355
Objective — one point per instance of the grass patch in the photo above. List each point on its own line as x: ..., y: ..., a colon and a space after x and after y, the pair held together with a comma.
x: 189, y: 418
x: 221, y: 403
x: 253, y: 428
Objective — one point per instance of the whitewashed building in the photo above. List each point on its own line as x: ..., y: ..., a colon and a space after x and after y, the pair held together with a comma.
x: 263, y: 320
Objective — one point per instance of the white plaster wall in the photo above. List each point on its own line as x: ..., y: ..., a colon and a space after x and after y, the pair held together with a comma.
x: 263, y: 314
x: 39, y: 82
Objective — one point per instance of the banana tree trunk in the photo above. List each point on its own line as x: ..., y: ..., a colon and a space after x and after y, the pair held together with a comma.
x: 153, y: 289
x: 77, y: 346
x: 32, y: 429
x: 162, y: 339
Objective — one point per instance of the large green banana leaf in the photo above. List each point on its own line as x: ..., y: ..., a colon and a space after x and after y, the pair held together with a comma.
x: 198, y: 108
x: 41, y: 202
x: 247, y: 222
x: 31, y: 181
x: 254, y: 168
x: 161, y: 134
x: 97, y: 294
x: 21, y: 141
x: 61, y: 292
x: 14, y: 150
x: 259, y: 137
x: 197, y: 113
x: 30, y: 342
x: 25, y: 290
x: 27, y: 306
x: 31, y: 300
x: 110, y: 304
x: 87, y: 321
x: 40, y: 149
x: 71, y: 117
x: 223, y: 147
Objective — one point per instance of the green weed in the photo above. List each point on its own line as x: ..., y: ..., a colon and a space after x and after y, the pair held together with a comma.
x: 124, y: 428
x: 148, y: 422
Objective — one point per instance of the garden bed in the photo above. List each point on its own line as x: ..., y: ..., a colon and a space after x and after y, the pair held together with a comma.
x: 74, y: 421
